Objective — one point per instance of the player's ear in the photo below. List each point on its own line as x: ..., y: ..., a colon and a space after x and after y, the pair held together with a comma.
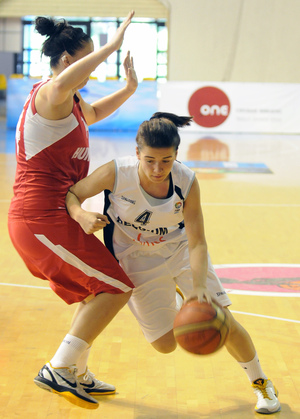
x: 65, y: 60
x: 137, y: 152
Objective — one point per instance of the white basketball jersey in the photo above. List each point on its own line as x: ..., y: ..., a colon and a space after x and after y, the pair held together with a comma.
x: 139, y: 221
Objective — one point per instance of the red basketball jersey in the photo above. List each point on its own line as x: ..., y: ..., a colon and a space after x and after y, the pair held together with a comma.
x: 51, y: 156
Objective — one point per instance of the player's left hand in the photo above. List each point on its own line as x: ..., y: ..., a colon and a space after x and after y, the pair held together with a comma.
x: 131, y: 77
x: 201, y: 294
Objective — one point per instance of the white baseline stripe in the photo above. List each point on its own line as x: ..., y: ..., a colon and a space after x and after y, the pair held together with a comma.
x: 79, y: 264
x: 232, y: 311
x: 240, y: 204
x: 266, y: 317
x: 255, y: 265
x: 220, y: 204
x: 263, y: 293
x: 25, y: 286
x: 237, y: 292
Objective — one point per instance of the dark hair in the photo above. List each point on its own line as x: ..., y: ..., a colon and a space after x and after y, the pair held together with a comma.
x: 61, y: 37
x: 161, y: 130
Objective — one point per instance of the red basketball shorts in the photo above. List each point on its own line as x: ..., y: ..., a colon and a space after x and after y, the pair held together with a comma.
x: 76, y: 264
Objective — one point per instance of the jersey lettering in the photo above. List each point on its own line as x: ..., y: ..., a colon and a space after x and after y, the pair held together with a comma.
x: 162, y: 231
x: 144, y: 217
x: 82, y: 153
x: 146, y: 243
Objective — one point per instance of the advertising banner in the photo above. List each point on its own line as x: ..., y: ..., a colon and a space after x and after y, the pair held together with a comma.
x: 128, y: 117
x: 234, y: 107
x: 225, y: 107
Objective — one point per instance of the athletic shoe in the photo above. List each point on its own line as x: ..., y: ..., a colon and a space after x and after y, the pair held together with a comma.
x: 93, y: 386
x: 63, y: 381
x: 267, y: 401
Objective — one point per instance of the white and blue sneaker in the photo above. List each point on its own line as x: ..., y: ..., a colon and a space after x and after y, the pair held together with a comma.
x: 267, y: 397
x: 64, y: 381
x: 93, y: 386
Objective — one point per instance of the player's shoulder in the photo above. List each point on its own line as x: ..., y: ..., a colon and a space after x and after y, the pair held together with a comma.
x: 181, y: 169
x: 126, y: 161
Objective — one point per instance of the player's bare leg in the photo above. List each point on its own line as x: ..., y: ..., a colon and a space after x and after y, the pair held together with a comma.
x: 60, y: 375
x: 239, y: 344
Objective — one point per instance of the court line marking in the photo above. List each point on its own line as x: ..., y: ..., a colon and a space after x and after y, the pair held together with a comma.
x: 266, y: 317
x: 257, y: 265
x: 243, y: 204
x: 228, y: 204
x: 232, y: 311
x: 263, y: 293
x: 25, y: 286
x: 260, y: 265
x: 229, y: 291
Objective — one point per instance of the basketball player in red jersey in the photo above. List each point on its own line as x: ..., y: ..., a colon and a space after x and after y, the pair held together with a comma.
x: 52, y: 148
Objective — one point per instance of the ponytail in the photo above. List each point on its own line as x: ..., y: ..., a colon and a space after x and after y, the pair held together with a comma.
x: 179, y: 121
x: 161, y: 130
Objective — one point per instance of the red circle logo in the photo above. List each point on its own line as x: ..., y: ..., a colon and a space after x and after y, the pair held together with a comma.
x: 209, y: 106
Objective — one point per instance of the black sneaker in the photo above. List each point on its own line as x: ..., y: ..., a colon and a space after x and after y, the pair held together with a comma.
x: 64, y: 381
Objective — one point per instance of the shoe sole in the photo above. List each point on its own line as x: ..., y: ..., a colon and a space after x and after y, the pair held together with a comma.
x: 100, y: 393
x: 67, y: 395
x: 267, y: 412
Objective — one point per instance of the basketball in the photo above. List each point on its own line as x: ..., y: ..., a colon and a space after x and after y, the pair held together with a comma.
x: 201, y: 328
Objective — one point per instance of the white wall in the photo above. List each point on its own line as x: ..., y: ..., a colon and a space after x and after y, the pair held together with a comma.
x: 234, y: 40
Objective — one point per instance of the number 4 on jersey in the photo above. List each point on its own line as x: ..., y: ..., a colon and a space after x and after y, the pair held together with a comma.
x: 144, y: 217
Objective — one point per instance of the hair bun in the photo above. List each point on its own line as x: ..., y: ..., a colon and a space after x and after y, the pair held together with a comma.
x: 47, y: 26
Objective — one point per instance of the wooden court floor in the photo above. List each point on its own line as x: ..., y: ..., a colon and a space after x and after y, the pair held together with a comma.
x: 250, y: 218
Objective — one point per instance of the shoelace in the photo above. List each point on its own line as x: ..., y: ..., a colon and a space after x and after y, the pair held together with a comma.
x: 88, y: 375
x: 263, y: 391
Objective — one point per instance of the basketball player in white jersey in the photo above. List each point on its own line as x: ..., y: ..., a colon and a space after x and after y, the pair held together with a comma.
x: 153, y: 225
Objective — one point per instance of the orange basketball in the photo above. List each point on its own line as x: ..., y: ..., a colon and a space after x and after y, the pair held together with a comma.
x: 201, y: 328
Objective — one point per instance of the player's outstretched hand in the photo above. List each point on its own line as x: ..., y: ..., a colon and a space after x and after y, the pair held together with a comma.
x: 131, y: 78
x: 117, y: 39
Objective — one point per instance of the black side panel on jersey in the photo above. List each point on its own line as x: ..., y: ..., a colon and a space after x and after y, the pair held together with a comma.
x: 179, y: 193
x: 109, y: 229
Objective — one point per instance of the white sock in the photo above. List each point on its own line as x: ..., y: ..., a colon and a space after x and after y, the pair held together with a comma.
x: 253, y: 369
x: 82, y: 361
x: 69, y: 352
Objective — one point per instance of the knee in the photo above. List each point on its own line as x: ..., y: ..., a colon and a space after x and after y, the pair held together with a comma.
x: 166, y: 344
x: 163, y: 348
x: 234, y: 325
x: 127, y: 295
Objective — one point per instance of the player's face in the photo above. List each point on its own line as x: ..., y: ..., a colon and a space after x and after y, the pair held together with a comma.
x: 87, y: 49
x: 156, y: 163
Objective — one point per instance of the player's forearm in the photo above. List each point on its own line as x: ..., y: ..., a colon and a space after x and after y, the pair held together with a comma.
x: 109, y: 104
x: 199, y: 265
x: 73, y: 206
x: 80, y: 70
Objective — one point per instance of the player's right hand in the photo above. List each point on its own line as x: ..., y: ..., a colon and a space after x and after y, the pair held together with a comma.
x: 91, y: 222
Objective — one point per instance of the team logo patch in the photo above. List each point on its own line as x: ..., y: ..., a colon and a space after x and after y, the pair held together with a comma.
x: 178, y: 205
